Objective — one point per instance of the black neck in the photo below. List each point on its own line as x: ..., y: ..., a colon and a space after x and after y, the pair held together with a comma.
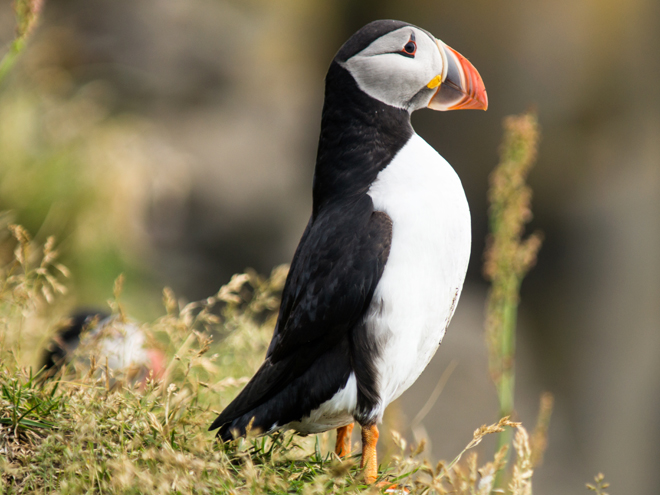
x: 359, y: 137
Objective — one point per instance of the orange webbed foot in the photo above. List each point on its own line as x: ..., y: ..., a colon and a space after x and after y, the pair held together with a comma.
x: 389, y: 487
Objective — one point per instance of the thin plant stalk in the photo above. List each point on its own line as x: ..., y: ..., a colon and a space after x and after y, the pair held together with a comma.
x: 27, y: 15
x: 508, y: 257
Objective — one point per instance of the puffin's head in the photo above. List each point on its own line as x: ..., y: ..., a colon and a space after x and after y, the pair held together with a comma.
x: 407, y: 67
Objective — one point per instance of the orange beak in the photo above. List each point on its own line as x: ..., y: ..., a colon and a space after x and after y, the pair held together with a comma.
x: 461, y: 88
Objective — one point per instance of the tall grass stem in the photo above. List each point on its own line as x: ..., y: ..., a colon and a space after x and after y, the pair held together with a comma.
x: 508, y: 257
x: 27, y: 15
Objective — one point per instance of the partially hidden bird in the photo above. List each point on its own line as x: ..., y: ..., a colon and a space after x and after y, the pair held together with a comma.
x: 113, y: 340
x: 380, y: 266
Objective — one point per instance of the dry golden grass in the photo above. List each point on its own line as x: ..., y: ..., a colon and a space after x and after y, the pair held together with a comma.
x: 77, y: 433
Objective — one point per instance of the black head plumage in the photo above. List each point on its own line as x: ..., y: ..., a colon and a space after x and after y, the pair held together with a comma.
x: 365, y: 36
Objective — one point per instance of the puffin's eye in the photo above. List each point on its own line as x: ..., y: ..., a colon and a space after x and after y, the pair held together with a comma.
x: 409, y: 49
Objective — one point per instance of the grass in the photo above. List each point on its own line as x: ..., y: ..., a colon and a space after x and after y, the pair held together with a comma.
x: 27, y: 16
x: 79, y: 434
x: 508, y: 258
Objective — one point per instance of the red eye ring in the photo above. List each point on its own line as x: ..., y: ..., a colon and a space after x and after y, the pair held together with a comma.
x: 409, y: 49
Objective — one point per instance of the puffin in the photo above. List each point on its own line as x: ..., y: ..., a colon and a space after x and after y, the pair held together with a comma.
x: 121, y: 342
x: 379, y: 269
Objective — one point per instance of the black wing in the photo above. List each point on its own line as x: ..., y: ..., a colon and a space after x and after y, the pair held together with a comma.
x: 333, y: 275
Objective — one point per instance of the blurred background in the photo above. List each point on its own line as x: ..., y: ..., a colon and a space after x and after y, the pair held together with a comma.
x: 175, y: 142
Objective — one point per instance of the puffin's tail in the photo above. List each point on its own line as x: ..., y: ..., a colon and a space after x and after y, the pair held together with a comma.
x: 282, y: 392
x: 236, y: 428
x: 258, y: 421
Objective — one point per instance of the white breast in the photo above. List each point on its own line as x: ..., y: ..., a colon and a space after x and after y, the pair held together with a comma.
x: 422, y: 281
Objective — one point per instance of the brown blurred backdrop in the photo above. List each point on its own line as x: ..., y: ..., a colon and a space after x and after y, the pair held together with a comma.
x: 175, y: 141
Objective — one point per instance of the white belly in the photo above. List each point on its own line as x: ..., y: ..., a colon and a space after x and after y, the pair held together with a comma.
x: 422, y: 281
x: 333, y: 413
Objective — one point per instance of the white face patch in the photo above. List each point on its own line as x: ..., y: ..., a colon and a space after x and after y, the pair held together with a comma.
x: 384, y: 73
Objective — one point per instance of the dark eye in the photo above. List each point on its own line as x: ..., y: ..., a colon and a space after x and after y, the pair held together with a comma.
x: 409, y: 49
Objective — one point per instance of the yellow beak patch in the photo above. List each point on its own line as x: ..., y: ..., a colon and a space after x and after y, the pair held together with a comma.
x: 435, y: 82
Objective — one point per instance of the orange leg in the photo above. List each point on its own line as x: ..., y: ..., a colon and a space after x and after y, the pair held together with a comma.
x: 369, y: 455
x: 343, y: 445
